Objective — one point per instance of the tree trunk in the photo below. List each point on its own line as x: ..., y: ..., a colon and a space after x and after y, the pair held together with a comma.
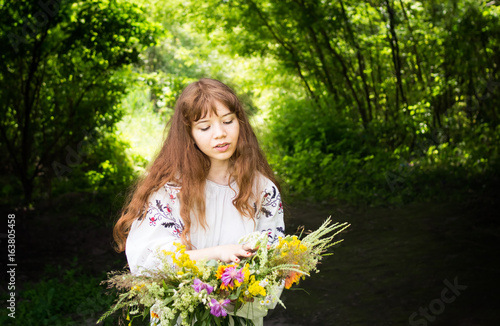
x: 396, y: 58
x: 361, y: 61
x: 345, y: 73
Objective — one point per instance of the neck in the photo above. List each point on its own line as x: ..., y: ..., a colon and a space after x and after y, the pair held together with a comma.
x: 219, y: 172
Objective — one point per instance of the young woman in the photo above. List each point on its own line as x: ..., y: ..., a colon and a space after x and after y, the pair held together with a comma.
x: 209, y: 186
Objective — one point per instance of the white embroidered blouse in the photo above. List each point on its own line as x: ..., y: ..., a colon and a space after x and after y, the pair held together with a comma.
x: 162, y: 225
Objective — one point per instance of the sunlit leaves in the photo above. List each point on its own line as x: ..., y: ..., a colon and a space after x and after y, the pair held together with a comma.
x: 63, y: 79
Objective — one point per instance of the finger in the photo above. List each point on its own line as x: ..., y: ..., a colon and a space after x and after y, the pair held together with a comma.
x: 247, y: 247
x: 244, y: 253
x: 247, y: 254
x: 234, y: 259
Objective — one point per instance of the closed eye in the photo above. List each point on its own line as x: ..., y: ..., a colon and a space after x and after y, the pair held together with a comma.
x: 228, y: 122
x: 205, y: 129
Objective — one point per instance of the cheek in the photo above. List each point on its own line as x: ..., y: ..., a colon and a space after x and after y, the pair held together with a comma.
x: 196, y: 137
x: 237, y: 131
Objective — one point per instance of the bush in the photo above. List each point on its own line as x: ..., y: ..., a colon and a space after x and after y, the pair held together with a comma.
x: 324, y: 157
x: 73, y: 299
x: 105, y: 172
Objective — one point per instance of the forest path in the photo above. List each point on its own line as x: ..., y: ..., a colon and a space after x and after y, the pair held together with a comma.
x: 394, y: 266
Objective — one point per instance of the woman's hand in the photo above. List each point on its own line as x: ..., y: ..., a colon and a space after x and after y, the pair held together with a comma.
x: 233, y: 253
x: 226, y: 253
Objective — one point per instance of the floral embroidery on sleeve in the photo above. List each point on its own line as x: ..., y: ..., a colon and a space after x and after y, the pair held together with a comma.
x: 159, y: 211
x: 162, y: 213
x: 172, y: 192
x: 271, y: 201
x: 280, y: 230
x: 274, y: 234
x: 271, y: 214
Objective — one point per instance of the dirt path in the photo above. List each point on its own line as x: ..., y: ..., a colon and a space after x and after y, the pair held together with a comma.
x: 395, y: 264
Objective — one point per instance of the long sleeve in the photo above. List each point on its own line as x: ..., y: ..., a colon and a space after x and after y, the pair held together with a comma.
x: 270, y: 215
x: 157, y: 230
x: 162, y: 225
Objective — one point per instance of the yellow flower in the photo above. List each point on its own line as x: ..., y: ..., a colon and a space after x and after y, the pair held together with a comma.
x: 291, y: 248
x: 138, y: 287
x: 256, y: 289
x: 182, y: 260
x: 246, y: 273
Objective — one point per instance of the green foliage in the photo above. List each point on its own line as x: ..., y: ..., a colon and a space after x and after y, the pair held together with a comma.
x: 325, y: 157
x: 74, y: 298
x: 375, y: 61
x: 382, y: 81
x: 105, y: 167
x: 368, y: 102
x: 60, y: 77
x: 142, y: 126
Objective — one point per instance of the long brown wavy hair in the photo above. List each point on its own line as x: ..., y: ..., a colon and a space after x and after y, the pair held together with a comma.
x: 182, y: 163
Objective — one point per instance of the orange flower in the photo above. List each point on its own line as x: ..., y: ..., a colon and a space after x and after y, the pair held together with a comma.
x: 291, y: 278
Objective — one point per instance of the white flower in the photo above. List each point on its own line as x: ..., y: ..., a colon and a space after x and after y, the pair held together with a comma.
x: 255, y: 239
x: 265, y: 302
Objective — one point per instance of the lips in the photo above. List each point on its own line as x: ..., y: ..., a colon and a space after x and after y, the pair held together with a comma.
x: 222, y: 147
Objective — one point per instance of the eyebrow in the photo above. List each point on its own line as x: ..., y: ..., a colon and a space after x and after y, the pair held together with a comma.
x: 206, y: 120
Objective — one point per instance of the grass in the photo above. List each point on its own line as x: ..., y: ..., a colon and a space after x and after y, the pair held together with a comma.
x: 71, y: 298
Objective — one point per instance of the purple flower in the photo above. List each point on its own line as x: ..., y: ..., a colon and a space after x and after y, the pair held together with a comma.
x: 217, y: 307
x: 199, y: 285
x: 230, y: 275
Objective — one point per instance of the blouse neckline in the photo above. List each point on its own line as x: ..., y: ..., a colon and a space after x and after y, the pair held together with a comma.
x: 219, y: 185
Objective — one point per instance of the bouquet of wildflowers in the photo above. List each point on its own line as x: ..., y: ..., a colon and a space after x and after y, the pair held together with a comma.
x: 183, y: 291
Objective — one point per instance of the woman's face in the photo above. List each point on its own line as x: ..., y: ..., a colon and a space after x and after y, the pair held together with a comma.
x: 217, y: 135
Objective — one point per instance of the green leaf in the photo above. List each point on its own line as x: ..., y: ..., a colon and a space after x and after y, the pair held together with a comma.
x: 173, y: 322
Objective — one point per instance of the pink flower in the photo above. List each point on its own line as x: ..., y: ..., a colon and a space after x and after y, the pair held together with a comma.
x: 232, y: 274
x: 199, y: 285
x: 217, y: 307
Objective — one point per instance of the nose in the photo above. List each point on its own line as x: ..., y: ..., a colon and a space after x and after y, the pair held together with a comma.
x: 219, y: 131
